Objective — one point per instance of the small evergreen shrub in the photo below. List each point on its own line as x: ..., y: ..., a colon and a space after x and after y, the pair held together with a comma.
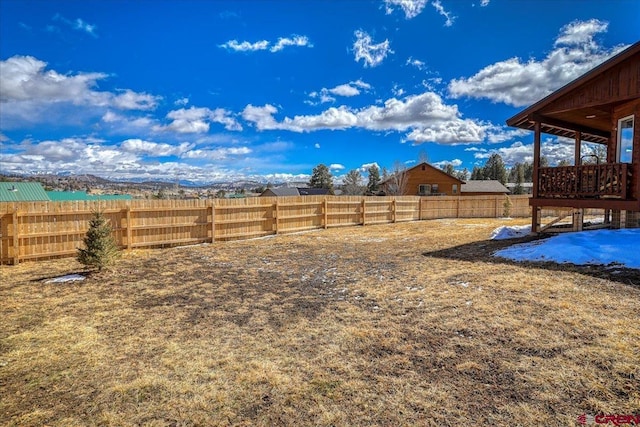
x: 506, y: 207
x: 101, y: 249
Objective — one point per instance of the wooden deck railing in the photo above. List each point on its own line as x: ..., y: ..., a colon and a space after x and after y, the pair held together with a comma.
x: 585, y: 181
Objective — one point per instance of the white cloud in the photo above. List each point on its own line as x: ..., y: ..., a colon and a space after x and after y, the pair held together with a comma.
x: 518, y: 152
x: 346, y: 90
x: 484, y: 3
x: 196, y: 120
x: 411, y: 8
x: 77, y: 24
x: 455, y: 163
x: 23, y: 79
x: 217, y: 154
x: 365, y: 167
x: 519, y: 83
x: 138, y: 146
x: 420, y: 65
x: 294, y: 41
x: 245, y: 46
x: 449, y: 18
x: 397, y: 90
x: 372, y: 54
x: 425, y: 116
x: 81, y: 25
x: 336, y: 167
x: 181, y: 102
x: 316, y: 145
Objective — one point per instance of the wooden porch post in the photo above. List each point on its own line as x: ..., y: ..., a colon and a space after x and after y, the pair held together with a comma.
x: 578, y: 151
x: 535, y: 222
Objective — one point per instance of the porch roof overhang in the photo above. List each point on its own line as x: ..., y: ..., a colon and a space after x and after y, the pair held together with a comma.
x: 591, y: 117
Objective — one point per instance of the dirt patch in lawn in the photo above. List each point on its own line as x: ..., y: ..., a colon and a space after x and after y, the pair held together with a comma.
x: 399, y: 324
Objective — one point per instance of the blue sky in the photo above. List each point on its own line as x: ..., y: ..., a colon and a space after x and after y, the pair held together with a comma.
x: 212, y: 91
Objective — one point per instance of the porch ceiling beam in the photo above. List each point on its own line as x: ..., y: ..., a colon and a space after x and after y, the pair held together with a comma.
x: 568, y: 126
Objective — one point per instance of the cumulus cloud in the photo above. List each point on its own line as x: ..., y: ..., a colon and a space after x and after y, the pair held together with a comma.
x: 181, y: 101
x: 245, y: 46
x: 316, y: 145
x: 425, y: 116
x: 336, y: 167
x: 346, y: 90
x: 519, y: 83
x: 411, y: 8
x: 553, y: 149
x: 196, y: 120
x: 420, y: 65
x: 138, y: 146
x: 24, y: 79
x: 484, y: 3
x: 371, y: 54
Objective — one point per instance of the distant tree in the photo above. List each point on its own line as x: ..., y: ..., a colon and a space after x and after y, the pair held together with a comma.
x: 220, y: 194
x: 385, y: 173
x: 506, y: 207
x: 593, y: 153
x: 423, y: 157
x: 374, y: 179
x: 161, y: 194
x: 397, y: 182
x: 519, y: 179
x: 259, y: 190
x: 449, y: 169
x: 495, y: 169
x: 564, y: 162
x: 528, y: 171
x: 462, y: 175
x: 476, y: 174
x: 100, y: 248
x: 321, y: 178
x: 353, y: 183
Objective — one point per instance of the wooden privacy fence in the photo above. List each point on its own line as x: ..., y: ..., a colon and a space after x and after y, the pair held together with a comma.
x: 39, y: 230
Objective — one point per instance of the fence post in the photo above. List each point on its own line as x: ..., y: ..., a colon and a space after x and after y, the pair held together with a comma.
x: 498, y: 213
x: 363, y: 211
x: 129, y: 230
x: 212, y: 204
x: 326, y: 213
x: 393, y: 210
x: 458, y: 207
x: 16, y: 238
x: 420, y: 209
x: 276, y: 215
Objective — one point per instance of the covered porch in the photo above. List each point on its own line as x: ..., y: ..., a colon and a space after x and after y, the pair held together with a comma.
x: 600, y: 108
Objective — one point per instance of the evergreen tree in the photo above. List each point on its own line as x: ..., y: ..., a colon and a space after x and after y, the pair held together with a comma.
x: 495, y: 169
x: 353, y: 183
x: 448, y: 169
x: 374, y: 179
x: 462, y: 175
x: 476, y: 174
x: 321, y: 178
x: 101, y: 250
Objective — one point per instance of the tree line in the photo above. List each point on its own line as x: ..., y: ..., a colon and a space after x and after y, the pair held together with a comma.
x: 355, y: 183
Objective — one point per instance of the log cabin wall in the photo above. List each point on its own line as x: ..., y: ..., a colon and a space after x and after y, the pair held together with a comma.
x: 426, y: 174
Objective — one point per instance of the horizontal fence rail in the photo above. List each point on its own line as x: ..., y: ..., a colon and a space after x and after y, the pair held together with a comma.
x: 41, y: 230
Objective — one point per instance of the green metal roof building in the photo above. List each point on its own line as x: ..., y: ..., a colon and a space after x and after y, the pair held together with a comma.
x: 22, y: 192
x: 65, y: 196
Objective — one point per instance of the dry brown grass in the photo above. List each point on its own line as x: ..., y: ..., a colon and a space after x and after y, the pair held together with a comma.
x: 402, y: 324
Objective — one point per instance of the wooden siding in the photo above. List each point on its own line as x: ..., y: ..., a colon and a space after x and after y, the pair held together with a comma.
x: 427, y: 174
x: 42, y: 230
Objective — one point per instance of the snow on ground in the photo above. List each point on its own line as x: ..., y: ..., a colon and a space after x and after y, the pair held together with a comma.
x: 605, y: 247
x: 67, y: 278
x: 510, y: 232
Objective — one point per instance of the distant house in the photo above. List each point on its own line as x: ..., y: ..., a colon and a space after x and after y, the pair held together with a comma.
x: 22, y: 192
x: 424, y: 180
x: 294, y: 191
x: 483, y: 188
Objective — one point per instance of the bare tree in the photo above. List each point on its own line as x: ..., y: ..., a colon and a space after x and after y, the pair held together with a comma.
x: 397, y: 182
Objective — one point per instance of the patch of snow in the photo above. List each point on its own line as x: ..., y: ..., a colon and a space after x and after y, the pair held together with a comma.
x: 602, y: 247
x: 67, y: 278
x: 510, y: 232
